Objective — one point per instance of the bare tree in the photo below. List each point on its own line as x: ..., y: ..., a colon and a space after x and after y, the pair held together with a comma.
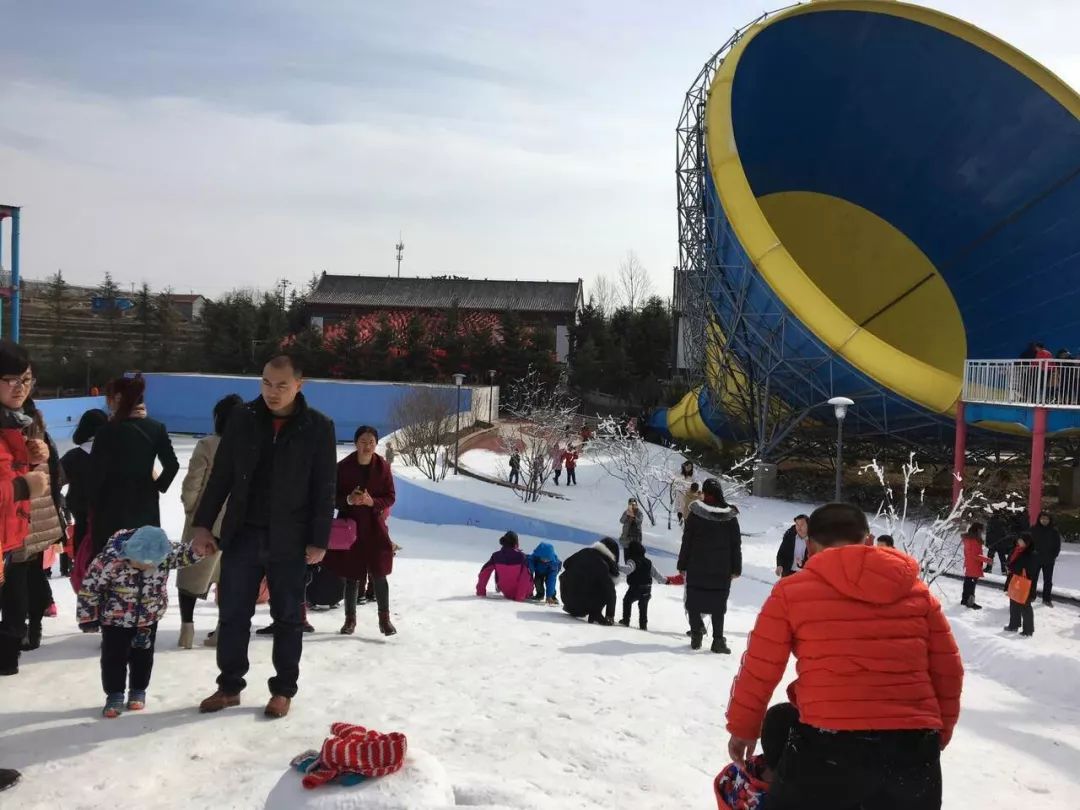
x: 425, y: 415
x: 603, y: 294
x: 634, y: 284
x: 540, y: 413
x: 932, y: 538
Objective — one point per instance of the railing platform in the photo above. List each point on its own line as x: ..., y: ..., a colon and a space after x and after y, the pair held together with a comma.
x: 1043, y: 383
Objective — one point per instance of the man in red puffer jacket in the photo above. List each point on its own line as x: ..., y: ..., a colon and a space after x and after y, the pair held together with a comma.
x: 879, y: 676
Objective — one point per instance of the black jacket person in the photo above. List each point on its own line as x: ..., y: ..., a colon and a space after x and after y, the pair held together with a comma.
x: 588, y: 582
x: 276, y: 467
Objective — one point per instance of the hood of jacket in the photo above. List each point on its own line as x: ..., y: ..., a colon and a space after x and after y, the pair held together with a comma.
x: 874, y: 574
x: 545, y: 551
x: 606, y: 550
x: 718, y: 513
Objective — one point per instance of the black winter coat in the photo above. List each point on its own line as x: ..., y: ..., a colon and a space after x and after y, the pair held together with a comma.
x: 785, y: 556
x: 298, y: 504
x: 123, y: 493
x: 711, y: 554
x: 1047, y: 541
x: 587, y: 583
x: 999, y: 536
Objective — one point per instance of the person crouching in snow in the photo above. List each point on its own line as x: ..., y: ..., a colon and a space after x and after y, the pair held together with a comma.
x: 739, y: 787
x: 588, y: 582
x: 974, y: 564
x: 857, y: 617
x: 640, y: 575
x: 512, y: 577
x: 124, y: 593
x: 544, y: 565
x: 711, y: 557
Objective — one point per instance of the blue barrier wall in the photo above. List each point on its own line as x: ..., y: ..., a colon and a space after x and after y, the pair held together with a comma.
x: 62, y: 415
x: 416, y: 502
x: 184, y: 402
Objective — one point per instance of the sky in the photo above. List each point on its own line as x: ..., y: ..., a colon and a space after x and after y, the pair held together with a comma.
x: 207, y: 145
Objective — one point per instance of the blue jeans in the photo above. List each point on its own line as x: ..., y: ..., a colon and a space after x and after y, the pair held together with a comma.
x: 244, y: 563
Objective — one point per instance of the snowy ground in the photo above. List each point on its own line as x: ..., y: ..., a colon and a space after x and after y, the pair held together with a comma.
x: 504, y: 705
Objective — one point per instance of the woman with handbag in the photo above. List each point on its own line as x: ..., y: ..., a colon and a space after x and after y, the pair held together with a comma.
x: 1024, y: 568
x: 193, y: 581
x: 365, y: 493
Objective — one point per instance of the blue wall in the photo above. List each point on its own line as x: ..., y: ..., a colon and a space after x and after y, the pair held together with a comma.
x: 62, y: 415
x: 184, y: 402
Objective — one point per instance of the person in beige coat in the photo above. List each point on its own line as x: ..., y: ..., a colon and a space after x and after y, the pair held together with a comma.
x: 194, y: 581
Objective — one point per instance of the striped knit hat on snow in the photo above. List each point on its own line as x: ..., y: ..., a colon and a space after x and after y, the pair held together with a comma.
x: 355, y: 749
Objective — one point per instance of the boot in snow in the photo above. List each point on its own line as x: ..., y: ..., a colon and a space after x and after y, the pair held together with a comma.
x: 187, y: 636
x: 114, y: 705
x: 32, y: 640
x: 720, y: 646
x: 625, y: 621
x: 695, y: 641
x: 385, y: 627
x: 211, y: 638
x: 136, y: 701
x: 8, y: 778
x: 349, y: 627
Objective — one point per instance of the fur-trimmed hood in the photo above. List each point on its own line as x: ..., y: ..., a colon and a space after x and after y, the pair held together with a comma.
x: 720, y: 513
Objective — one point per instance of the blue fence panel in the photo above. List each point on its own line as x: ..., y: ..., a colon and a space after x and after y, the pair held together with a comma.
x: 62, y: 415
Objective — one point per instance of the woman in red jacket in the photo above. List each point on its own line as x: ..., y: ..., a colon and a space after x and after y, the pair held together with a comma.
x: 974, y: 564
x: 879, y: 675
x: 365, y: 493
x: 20, y: 484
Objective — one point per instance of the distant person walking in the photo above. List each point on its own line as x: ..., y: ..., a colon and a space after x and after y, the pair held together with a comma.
x: 276, y: 467
x: 125, y: 489
x: 515, y: 468
x: 1048, y: 543
x: 556, y: 463
x: 193, y: 582
x: 570, y: 459
x: 974, y: 562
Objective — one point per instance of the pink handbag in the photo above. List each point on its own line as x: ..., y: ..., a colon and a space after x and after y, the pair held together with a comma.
x: 342, y: 534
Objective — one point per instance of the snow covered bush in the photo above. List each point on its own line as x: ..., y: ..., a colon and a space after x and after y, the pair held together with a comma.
x: 931, y: 537
x: 540, y: 413
x: 426, y: 416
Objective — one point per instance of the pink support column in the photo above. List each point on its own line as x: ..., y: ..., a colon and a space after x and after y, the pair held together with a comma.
x: 1038, y: 452
x: 959, y: 453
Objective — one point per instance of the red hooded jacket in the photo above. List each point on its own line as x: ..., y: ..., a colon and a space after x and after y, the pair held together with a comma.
x: 974, y: 559
x: 873, y: 650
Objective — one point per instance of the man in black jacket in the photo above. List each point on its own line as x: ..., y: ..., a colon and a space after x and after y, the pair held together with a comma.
x: 1048, y: 544
x: 587, y: 584
x: 710, y: 557
x: 276, y: 466
x: 793, y: 548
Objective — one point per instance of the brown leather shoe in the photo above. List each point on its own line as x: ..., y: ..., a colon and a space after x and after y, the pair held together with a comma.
x: 278, y: 706
x: 349, y: 627
x: 218, y: 701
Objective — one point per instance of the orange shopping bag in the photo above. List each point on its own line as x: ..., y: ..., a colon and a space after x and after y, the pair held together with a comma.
x: 1019, y: 588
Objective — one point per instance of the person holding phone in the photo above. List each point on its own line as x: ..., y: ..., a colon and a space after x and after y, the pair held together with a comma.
x: 631, y: 524
x: 365, y: 494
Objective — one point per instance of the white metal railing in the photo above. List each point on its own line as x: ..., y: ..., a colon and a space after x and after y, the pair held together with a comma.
x: 1050, y: 383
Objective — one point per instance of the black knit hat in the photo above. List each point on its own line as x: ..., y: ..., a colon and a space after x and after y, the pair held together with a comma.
x: 89, y: 423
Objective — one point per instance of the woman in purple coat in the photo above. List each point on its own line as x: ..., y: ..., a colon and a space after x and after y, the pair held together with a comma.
x: 365, y: 493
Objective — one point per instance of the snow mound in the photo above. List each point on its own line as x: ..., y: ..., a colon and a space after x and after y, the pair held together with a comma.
x: 422, y: 783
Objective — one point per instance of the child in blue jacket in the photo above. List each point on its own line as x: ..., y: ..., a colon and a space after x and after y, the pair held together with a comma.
x: 544, y: 565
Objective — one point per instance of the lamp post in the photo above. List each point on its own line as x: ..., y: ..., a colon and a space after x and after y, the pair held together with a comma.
x: 840, y: 406
x: 491, y: 397
x: 458, y: 380
x: 89, y: 357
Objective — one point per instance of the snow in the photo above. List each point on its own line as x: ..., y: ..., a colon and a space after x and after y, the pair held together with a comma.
x: 505, y: 705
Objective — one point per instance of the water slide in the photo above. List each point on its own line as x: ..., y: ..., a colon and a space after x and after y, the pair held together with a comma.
x: 902, y: 191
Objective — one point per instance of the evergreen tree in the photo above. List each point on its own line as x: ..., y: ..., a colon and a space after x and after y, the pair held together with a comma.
x: 109, y: 294
x: 145, y: 317
x: 417, y: 348
x: 166, y: 329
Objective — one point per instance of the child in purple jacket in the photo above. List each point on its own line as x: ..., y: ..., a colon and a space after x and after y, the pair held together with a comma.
x: 511, y: 569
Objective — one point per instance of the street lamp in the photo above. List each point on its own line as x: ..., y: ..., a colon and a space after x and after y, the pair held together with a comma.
x: 458, y: 380
x: 491, y: 397
x: 840, y: 406
x: 89, y: 358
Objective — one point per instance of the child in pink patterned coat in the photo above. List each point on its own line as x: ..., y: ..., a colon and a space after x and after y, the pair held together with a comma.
x: 739, y: 788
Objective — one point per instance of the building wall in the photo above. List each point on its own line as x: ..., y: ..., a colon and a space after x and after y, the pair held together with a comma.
x: 184, y: 402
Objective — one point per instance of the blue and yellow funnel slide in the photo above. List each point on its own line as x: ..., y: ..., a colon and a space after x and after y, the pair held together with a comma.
x: 904, y: 187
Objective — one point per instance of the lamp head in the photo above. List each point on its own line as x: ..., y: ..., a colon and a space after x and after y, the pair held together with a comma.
x: 840, y: 406
x: 459, y: 378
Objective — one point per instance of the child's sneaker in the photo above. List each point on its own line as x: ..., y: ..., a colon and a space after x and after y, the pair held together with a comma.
x: 136, y: 701
x: 114, y: 705
x: 552, y: 601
